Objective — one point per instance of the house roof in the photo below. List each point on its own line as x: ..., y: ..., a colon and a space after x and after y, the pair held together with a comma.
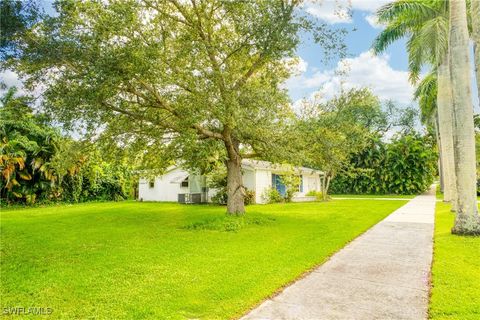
x: 260, y: 164
x: 252, y: 165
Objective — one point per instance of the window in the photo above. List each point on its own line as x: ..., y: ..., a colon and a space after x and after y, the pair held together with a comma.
x: 184, y: 183
x: 300, y: 187
x: 151, y: 184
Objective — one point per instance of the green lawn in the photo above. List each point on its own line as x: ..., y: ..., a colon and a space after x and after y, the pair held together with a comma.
x: 151, y: 260
x: 455, y: 271
x: 379, y: 196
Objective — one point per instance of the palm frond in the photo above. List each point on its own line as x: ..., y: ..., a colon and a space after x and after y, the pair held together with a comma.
x: 410, y: 11
x: 389, y: 35
x: 426, y: 95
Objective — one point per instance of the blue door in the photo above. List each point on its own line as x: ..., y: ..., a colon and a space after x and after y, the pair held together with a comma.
x: 278, y: 184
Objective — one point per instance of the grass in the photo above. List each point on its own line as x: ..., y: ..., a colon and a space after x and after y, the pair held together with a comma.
x: 455, y: 271
x: 164, y: 260
x: 379, y: 196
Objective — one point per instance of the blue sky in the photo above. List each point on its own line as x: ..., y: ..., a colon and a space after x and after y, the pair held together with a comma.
x: 386, y: 75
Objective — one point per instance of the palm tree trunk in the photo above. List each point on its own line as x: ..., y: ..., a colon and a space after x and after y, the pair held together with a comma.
x: 467, y: 220
x: 475, y: 14
x: 439, y: 146
x: 445, y: 119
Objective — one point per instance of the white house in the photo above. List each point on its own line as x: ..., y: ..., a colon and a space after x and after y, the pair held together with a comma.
x: 179, y: 185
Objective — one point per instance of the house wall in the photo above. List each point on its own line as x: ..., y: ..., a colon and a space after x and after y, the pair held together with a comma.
x: 164, y: 189
x: 167, y: 187
x: 311, y: 182
x: 248, y: 177
x: 263, y: 181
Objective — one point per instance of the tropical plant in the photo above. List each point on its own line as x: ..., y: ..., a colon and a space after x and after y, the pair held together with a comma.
x: 271, y: 195
x: 425, y: 23
x: 406, y: 165
x: 37, y: 163
x: 292, y: 181
x: 27, y: 145
x: 335, y: 130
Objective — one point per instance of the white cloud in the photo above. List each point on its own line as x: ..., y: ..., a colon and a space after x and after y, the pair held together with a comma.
x: 330, y: 11
x: 368, y: 5
x: 302, y: 65
x: 339, y: 11
x: 365, y: 70
x: 373, y: 21
x: 11, y: 79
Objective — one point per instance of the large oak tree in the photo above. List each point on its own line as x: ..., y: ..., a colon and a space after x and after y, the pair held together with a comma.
x: 196, y: 80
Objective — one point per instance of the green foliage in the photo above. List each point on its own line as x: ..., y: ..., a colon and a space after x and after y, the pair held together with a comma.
x: 27, y: 148
x: 37, y: 163
x: 333, y: 131
x: 426, y: 95
x: 425, y: 23
x: 197, y: 82
x: 249, y: 197
x: 406, y: 165
x: 317, y: 194
x: 292, y: 181
x: 271, y: 195
x: 16, y: 17
x: 217, y: 179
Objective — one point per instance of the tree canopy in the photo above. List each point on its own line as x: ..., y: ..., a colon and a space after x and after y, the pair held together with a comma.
x: 191, y: 80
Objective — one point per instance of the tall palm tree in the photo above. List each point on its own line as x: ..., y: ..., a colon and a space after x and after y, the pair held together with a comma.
x: 467, y: 220
x: 475, y: 17
x: 426, y: 95
x: 425, y: 23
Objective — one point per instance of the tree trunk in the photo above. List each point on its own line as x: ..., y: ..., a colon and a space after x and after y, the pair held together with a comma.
x: 475, y: 14
x: 467, y: 220
x: 445, y: 121
x: 235, y: 190
x: 327, y: 186
x: 440, y: 158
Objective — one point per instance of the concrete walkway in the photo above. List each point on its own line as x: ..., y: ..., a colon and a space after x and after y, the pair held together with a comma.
x: 383, y: 274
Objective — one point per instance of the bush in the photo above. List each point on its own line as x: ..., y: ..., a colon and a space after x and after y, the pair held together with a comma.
x: 221, y: 196
x: 249, y: 197
x: 406, y: 165
x: 271, y: 195
x: 317, y: 194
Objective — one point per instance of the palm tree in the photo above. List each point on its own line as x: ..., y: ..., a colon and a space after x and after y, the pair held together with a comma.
x: 425, y: 23
x: 426, y: 95
x: 467, y: 220
x: 475, y: 17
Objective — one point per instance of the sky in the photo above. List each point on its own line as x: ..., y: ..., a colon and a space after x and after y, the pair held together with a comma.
x: 386, y: 74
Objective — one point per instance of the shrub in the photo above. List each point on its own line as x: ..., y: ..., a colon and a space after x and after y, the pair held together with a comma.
x: 291, y: 182
x: 228, y: 223
x: 249, y: 197
x: 221, y: 196
x: 406, y: 165
x: 271, y: 195
x: 317, y: 194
